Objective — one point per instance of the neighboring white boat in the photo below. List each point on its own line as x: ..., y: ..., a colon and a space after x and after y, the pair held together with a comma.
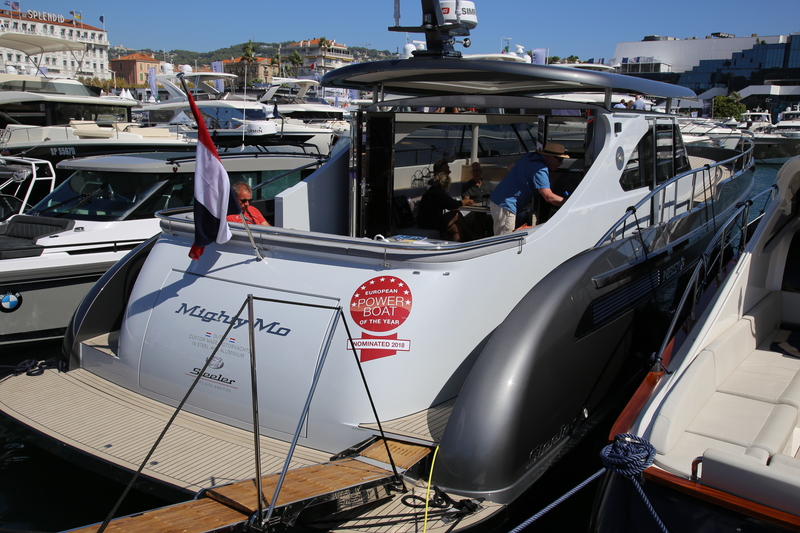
x: 756, y: 121
x: 232, y: 120
x: 300, y: 105
x: 56, y: 118
x: 365, y: 337
x: 771, y: 143
x: 53, y: 254
x: 789, y: 122
x: 706, y: 127
x: 722, y: 411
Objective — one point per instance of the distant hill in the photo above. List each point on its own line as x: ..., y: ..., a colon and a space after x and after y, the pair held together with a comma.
x: 201, y: 59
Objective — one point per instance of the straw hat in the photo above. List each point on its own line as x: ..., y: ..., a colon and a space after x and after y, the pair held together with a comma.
x: 555, y: 150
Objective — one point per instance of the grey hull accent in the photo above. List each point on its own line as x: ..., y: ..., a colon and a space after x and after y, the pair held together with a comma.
x: 102, y: 308
x: 533, y: 385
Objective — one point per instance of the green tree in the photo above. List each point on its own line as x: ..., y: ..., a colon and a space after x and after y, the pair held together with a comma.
x: 553, y: 59
x: 248, y: 57
x: 727, y: 107
x: 296, y: 60
x: 573, y: 59
x: 324, y: 44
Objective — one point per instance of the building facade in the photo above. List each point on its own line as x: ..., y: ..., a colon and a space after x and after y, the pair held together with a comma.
x: 261, y: 69
x: 92, y: 63
x: 319, y: 57
x: 134, y: 68
x: 764, y: 71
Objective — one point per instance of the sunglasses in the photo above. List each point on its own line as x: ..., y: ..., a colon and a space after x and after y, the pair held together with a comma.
x: 244, y: 200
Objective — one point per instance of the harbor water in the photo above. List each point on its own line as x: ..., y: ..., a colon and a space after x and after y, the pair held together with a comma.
x: 41, y: 492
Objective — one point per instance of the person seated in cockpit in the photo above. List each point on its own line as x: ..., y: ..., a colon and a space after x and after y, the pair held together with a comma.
x: 438, y: 210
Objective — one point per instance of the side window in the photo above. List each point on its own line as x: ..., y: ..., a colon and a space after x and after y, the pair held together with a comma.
x: 665, y: 168
x: 681, y: 157
x: 638, y: 172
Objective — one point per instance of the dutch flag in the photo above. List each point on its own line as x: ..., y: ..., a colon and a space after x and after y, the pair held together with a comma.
x: 213, y: 199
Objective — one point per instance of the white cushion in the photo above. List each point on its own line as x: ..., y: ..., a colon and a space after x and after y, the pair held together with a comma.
x: 750, y: 479
x: 683, y: 402
x: 731, y: 348
x: 766, y: 315
x: 746, y: 422
x: 688, y: 448
x: 784, y: 462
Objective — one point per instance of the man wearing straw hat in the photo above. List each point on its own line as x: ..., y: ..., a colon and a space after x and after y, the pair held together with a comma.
x: 529, y: 175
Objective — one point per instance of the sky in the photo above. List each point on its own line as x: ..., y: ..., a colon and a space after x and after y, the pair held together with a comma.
x: 575, y: 27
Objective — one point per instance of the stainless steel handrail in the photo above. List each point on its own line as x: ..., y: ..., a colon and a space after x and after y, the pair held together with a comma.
x: 707, y: 260
x: 745, y: 157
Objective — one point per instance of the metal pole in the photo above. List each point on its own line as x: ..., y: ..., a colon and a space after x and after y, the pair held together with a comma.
x: 254, y: 388
x: 303, y: 415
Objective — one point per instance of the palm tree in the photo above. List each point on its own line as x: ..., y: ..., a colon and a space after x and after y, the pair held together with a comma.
x: 296, y: 60
x: 324, y: 44
x: 248, y: 57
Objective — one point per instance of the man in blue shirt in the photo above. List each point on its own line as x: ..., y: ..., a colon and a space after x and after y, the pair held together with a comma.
x: 639, y: 103
x: 529, y: 175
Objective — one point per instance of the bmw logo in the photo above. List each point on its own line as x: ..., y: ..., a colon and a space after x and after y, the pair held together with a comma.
x: 10, y: 302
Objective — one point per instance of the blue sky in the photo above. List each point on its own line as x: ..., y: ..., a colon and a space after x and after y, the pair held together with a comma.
x: 574, y: 27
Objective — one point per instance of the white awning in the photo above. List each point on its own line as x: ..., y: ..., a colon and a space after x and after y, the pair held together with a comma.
x: 32, y: 45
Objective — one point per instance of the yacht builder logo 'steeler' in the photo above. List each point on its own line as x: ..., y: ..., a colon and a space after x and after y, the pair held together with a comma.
x: 379, y: 305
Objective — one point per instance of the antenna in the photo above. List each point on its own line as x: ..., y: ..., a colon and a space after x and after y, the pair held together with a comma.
x: 440, y: 35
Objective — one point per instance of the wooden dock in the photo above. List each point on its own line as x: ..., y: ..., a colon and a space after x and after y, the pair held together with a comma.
x: 335, y: 486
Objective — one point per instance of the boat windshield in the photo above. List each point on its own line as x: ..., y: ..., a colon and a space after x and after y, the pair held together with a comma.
x: 214, y: 116
x: 106, y: 196
x: 57, y: 113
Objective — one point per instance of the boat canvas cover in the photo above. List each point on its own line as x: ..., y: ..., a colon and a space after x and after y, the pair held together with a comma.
x: 38, y: 44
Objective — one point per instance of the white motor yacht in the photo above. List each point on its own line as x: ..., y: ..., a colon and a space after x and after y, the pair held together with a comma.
x: 789, y: 122
x: 56, y: 118
x: 347, y: 338
x: 718, y: 417
x: 772, y: 144
x: 299, y: 104
x: 232, y: 120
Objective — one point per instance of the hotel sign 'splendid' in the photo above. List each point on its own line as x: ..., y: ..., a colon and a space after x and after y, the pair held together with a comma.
x: 45, y: 17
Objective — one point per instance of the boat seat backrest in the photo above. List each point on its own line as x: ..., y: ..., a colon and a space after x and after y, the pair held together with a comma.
x: 402, y: 211
x: 776, y: 485
x: 731, y: 348
x: 686, y: 399
x: 766, y: 316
